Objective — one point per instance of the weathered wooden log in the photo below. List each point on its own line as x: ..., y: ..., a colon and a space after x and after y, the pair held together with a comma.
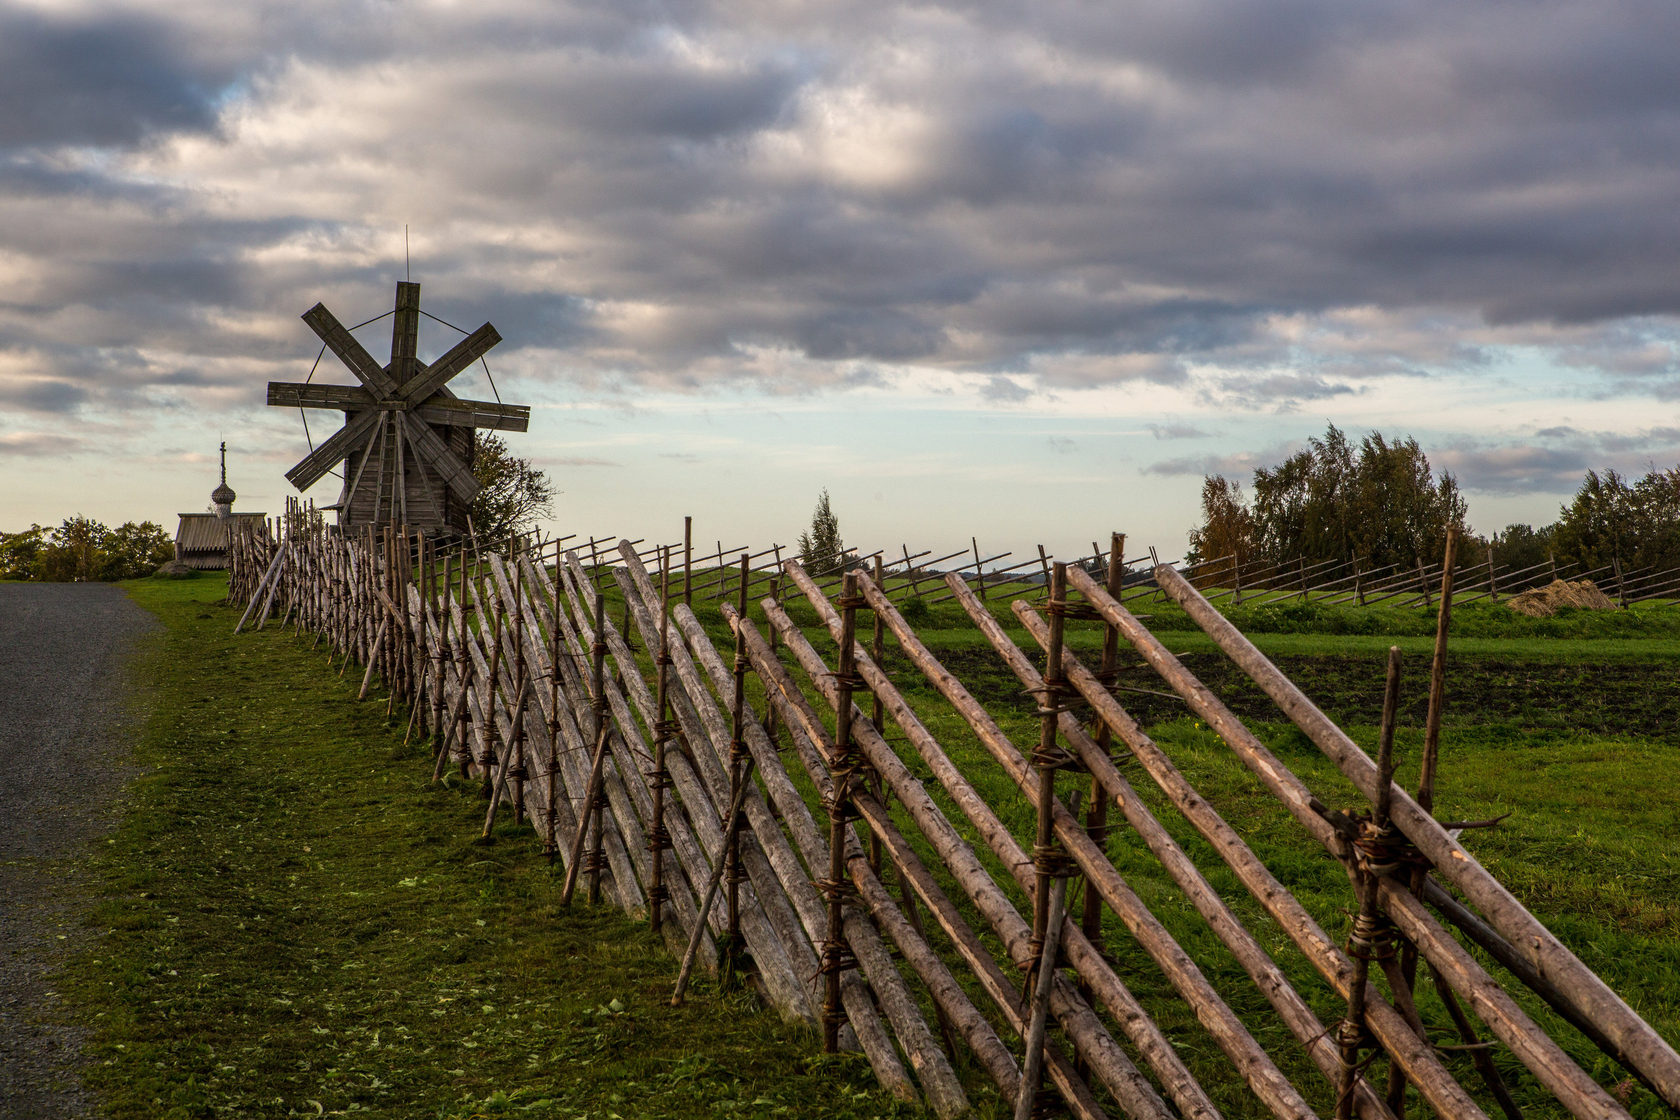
x: 802, y: 723
x: 1033, y: 1068
x: 933, y: 1068
x: 691, y: 862
x: 1261, y: 1074
x: 1443, y: 1093
x: 1294, y: 919
x: 712, y: 882
x: 1555, y: 1070
x: 624, y: 860
x: 794, y: 882
x: 773, y: 943
x: 1643, y: 1048
x: 1086, y: 1031
x: 251, y: 605
x: 709, y: 751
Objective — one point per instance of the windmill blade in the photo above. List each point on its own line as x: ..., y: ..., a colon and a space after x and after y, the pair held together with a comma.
x: 436, y: 454
x: 476, y: 414
x: 295, y: 394
x: 463, y: 354
x: 318, y: 462
x: 340, y: 341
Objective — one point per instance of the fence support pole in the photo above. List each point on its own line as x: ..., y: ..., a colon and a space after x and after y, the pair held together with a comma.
x: 836, y: 952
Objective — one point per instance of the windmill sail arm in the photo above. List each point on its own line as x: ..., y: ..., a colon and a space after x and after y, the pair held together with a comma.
x: 459, y: 357
x: 476, y: 414
x: 293, y: 394
x: 430, y: 447
x: 352, y: 353
x: 318, y: 462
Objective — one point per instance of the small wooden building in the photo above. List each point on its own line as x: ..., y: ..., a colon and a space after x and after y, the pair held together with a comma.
x: 201, y: 539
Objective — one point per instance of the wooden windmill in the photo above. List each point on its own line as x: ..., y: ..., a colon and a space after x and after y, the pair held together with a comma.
x: 407, y: 442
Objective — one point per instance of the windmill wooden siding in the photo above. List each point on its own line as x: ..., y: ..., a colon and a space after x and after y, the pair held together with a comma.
x: 424, y: 499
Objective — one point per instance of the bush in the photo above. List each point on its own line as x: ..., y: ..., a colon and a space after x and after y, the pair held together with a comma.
x: 82, y: 549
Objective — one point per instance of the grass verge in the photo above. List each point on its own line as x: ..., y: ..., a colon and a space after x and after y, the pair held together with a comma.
x: 294, y: 921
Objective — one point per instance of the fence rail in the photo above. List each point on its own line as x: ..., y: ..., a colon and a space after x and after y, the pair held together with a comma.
x: 669, y: 782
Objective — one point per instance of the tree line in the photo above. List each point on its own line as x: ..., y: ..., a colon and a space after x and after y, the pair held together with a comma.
x: 83, y: 549
x: 1379, y: 503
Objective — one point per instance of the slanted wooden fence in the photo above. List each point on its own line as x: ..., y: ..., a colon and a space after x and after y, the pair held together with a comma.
x: 783, y: 796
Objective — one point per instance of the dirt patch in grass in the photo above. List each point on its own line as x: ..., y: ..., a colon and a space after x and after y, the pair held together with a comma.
x: 1624, y: 697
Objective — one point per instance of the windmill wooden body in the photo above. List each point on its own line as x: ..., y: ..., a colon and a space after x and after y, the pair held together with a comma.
x: 406, y: 448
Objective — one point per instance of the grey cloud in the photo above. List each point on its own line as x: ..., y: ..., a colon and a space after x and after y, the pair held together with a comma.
x: 1238, y: 464
x: 101, y: 80
x: 26, y: 445
x: 1177, y: 431
x: 1005, y: 390
x: 1062, y: 445
x: 1282, y: 391
x: 583, y: 462
x: 1017, y: 194
x: 43, y: 396
x: 1514, y: 469
x: 1555, y: 461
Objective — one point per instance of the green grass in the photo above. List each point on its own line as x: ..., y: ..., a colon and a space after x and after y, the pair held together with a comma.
x: 294, y: 921
x: 298, y: 919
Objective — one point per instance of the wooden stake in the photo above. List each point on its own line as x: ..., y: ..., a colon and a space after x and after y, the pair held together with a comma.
x: 1033, y: 1067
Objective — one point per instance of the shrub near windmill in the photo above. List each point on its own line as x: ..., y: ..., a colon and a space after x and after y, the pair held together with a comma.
x: 407, y: 444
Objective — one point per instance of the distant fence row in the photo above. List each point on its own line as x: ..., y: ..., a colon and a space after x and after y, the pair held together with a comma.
x: 715, y: 575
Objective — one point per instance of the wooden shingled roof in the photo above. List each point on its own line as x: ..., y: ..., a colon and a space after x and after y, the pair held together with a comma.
x: 201, y: 540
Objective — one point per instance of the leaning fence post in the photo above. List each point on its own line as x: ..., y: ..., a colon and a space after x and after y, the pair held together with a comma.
x: 1096, y: 816
x: 688, y: 560
x: 659, y: 778
x: 836, y: 951
x: 877, y: 716
x: 1372, y: 936
x: 734, y: 873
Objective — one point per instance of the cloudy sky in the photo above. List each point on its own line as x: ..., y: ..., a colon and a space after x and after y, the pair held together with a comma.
x: 1022, y: 271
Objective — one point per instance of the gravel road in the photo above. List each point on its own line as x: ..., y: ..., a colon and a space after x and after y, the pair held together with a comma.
x: 64, y: 654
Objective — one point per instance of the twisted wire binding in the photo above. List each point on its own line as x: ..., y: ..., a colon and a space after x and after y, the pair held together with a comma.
x: 837, y: 956
x: 658, y: 839
x: 1372, y: 938
x: 842, y: 890
x: 1386, y: 851
x: 853, y: 680
x: 1053, y: 861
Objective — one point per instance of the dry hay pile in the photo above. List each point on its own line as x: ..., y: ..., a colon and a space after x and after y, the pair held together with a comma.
x: 1543, y: 602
